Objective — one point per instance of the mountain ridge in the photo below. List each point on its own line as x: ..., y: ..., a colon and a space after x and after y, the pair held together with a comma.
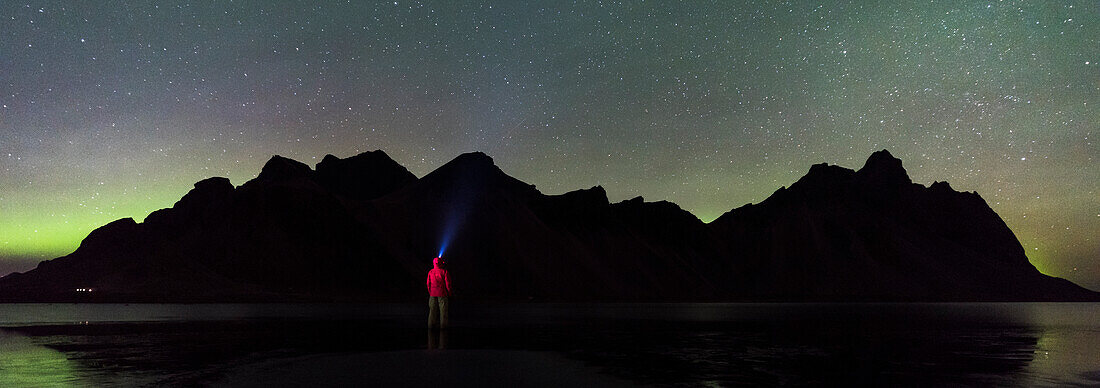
x: 365, y: 227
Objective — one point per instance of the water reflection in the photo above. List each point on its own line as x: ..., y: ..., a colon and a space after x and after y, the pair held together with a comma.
x: 816, y: 355
x: 1066, y: 355
x: 25, y: 364
x: 762, y: 344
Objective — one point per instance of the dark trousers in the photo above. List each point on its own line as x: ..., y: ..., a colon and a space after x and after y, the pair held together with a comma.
x: 437, y: 312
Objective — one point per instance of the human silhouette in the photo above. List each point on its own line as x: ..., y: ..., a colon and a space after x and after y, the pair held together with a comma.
x: 439, y: 290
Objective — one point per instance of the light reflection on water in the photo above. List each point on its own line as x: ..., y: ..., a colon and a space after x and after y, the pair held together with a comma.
x: 25, y: 364
x: 697, y: 344
x: 1066, y: 355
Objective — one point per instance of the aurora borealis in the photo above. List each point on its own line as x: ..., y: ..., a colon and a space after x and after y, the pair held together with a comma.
x: 114, y: 109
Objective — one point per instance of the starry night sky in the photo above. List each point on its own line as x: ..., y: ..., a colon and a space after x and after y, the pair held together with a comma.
x: 114, y: 109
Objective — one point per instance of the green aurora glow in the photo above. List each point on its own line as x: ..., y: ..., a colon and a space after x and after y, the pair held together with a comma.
x: 113, y: 110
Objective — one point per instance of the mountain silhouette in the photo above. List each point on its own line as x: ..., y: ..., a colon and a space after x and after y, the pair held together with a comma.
x: 873, y: 234
x: 365, y: 228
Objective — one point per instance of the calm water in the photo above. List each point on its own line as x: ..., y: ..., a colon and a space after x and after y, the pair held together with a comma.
x: 1009, y: 344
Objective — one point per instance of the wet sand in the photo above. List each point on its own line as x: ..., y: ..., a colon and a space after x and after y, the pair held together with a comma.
x: 422, y: 368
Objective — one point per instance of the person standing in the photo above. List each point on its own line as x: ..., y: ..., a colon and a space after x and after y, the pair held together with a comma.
x: 439, y: 290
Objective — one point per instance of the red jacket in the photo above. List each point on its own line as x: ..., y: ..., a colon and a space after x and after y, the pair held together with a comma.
x: 439, y: 281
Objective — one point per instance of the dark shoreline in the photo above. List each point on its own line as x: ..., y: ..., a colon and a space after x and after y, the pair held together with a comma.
x: 755, y: 344
x: 266, y: 299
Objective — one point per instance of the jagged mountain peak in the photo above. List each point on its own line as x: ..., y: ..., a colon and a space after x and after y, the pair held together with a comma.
x: 105, y: 236
x: 823, y: 175
x: 367, y: 175
x: 882, y: 156
x: 669, y: 210
x: 364, y: 226
x: 475, y: 156
x: 595, y: 194
x: 213, y: 184
x: 206, y: 191
x: 474, y: 170
x: 329, y: 158
x: 471, y: 164
x: 883, y: 169
x: 369, y: 159
x: 941, y: 186
x: 281, y: 168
